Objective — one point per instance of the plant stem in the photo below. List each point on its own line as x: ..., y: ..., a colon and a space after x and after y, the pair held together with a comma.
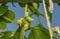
x: 22, y: 30
x: 47, y: 20
x: 22, y: 33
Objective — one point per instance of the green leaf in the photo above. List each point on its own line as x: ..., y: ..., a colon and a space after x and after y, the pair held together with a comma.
x: 39, y: 32
x: 10, y: 35
x: 3, y: 10
x: 2, y: 24
x: 35, y: 10
x: 9, y: 16
x: 35, y: 5
x: 19, y: 34
x: 7, y: 35
x: 22, y: 4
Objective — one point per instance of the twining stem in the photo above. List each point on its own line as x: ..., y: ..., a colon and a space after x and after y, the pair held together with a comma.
x: 47, y: 20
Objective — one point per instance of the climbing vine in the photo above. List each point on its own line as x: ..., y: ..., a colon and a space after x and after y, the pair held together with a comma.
x: 36, y: 32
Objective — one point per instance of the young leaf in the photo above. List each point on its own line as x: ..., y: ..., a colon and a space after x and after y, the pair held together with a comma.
x: 39, y: 32
x: 3, y: 9
x: 35, y: 5
x: 9, y: 16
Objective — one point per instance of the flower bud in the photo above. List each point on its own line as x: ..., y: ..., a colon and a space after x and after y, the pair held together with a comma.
x: 29, y: 19
x: 55, y: 29
x: 26, y: 26
x: 20, y: 21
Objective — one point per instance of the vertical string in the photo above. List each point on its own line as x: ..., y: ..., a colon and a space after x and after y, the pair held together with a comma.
x: 47, y: 20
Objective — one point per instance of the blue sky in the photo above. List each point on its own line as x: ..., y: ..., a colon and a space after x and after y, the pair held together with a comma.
x: 19, y: 12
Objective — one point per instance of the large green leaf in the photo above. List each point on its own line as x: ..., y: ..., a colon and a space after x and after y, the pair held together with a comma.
x: 3, y: 9
x: 39, y: 32
x: 2, y: 23
x: 9, y: 16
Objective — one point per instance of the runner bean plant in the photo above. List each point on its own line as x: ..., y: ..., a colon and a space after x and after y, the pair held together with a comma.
x: 36, y: 32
